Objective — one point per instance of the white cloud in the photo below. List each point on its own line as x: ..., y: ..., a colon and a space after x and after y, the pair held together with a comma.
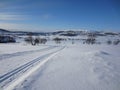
x: 5, y: 16
x: 11, y: 25
x: 20, y: 27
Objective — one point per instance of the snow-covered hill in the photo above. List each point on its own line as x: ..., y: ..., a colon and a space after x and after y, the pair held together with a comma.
x: 71, y: 64
x: 59, y: 67
x: 60, y: 33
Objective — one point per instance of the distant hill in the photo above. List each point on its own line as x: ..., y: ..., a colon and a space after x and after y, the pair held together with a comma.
x: 7, y: 32
x: 60, y: 33
x: 4, y: 31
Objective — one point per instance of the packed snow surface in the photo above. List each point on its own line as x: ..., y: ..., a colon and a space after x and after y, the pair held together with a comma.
x: 70, y: 67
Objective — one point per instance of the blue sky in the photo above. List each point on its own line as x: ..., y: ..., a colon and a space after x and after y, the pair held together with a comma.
x: 50, y: 15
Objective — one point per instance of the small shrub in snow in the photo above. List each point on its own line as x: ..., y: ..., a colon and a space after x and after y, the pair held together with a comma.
x: 29, y: 40
x: 43, y: 40
x: 91, y: 39
x: 57, y: 40
x: 35, y: 41
x: 109, y: 42
x: 116, y: 42
x: 7, y: 39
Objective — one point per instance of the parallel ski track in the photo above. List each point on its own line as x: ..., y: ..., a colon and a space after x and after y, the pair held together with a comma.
x: 6, y: 56
x: 26, y: 66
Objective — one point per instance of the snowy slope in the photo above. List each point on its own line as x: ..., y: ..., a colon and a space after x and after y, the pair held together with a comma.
x: 78, y: 67
x: 15, y: 63
x: 64, y: 66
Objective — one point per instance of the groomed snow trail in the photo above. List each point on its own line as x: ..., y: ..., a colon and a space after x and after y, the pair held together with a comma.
x: 23, y: 67
x: 13, y: 60
x: 10, y: 80
x: 5, y: 56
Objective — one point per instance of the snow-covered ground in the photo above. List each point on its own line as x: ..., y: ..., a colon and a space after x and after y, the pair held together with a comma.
x: 59, y: 67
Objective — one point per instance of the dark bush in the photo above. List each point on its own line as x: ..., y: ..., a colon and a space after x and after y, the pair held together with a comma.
x: 116, y: 42
x: 57, y: 40
x: 7, y: 39
x: 109, y: 42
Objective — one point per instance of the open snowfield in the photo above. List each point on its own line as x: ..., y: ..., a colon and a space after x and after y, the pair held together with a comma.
x: 59, y: 67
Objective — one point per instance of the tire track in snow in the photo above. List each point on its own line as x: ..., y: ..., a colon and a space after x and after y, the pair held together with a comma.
x: 40, y: 60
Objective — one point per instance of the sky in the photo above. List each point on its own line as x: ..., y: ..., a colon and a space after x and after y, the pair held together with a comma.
x: 51, y: 15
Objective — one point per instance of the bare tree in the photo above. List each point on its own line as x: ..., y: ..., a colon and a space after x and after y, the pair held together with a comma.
x: 43, y: 40
x: 91, y: 39
x: 57, y: 40
x: 29, y: 39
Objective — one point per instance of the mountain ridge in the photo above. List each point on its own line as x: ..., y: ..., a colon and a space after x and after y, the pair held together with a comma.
x: 61, y: 33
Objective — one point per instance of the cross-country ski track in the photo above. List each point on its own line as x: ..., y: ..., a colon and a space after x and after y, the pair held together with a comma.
x: 14, y: 77
x: 5, y: 56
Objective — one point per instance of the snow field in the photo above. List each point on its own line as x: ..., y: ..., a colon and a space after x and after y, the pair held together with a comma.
x: 15, y: 66
x: 76, y: 67
x: 12, y: 85
x: 93, y: 67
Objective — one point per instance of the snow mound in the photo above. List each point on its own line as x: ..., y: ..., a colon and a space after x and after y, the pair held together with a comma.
x: 103, y: 67
x: 98, y: 53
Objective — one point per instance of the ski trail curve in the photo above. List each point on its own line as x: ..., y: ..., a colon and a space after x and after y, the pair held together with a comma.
x: 40, y: 62
x: 5, y: 56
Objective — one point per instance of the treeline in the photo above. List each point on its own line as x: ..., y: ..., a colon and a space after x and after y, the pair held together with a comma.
x: 35, y: 41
